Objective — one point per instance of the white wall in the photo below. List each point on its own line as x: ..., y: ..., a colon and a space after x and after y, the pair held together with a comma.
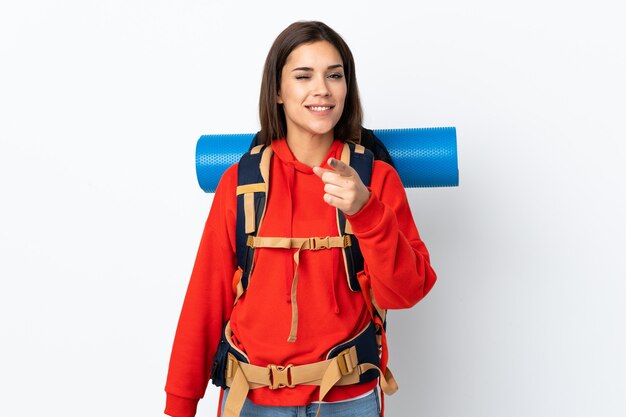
x: 101, y: 104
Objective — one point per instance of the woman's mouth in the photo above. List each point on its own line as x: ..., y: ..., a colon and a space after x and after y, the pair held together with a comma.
x: 319, y: 109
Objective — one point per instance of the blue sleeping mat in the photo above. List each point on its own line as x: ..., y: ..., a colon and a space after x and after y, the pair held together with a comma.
x: 423, y: 157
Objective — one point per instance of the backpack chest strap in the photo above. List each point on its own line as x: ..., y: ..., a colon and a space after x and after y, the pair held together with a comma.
x: 299, y: 243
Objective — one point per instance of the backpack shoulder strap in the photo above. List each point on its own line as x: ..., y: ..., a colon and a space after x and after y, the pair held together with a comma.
x: 362, y: 160
x: 374, y: 144
x: 252, y: 190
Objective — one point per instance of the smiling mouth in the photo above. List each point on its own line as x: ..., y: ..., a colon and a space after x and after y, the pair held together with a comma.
x: 319, y: 108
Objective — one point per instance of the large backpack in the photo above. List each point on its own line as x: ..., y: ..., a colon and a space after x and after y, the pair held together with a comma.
x: 253, y: 185
x: 361, y: 359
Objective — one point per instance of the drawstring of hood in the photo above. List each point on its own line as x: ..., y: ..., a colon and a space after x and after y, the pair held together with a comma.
x: 333, y: 283
x: 334, y: 274
x: 289, y: 278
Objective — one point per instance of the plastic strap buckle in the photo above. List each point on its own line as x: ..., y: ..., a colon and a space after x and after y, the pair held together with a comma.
x: 280, y: 377
x: 317, y: 243
x: 347, y: 361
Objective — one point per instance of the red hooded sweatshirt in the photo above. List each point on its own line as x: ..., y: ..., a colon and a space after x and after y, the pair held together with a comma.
x: 396, y: 263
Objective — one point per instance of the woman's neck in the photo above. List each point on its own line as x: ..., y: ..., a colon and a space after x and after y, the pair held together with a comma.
x: 310, y: 149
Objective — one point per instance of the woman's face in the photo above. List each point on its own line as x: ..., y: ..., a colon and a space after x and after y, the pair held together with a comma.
x: 312, y: 89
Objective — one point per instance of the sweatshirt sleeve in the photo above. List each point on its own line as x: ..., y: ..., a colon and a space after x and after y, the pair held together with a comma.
x: 396, y: 260
x: 207, y: 305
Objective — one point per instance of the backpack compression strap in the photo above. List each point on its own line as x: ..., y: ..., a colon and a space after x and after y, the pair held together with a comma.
x: 252, y: 190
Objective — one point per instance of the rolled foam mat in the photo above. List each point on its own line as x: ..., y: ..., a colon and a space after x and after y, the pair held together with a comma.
x: 423, y: 157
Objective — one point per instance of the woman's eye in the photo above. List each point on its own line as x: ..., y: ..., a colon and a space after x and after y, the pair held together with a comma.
x: 336, y: 76
x: 302, y: 77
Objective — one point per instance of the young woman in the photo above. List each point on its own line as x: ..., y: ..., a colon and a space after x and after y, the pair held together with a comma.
x: 298, y: 305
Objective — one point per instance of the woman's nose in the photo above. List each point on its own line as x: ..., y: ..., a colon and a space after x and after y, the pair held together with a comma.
x: 320, y: 87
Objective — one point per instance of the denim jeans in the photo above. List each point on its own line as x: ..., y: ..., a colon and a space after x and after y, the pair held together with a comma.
x: 368, y: 406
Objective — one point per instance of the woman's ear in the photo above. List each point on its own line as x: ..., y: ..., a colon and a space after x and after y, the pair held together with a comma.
x: 279, y: 99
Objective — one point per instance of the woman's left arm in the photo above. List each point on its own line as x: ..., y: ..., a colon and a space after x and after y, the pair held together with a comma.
x: 396, y: 260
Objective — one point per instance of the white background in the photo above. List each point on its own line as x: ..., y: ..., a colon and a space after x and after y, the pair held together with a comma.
x: 101, y: 105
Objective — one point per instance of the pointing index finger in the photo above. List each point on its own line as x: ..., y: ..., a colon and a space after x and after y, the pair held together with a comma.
x: 340, y: 167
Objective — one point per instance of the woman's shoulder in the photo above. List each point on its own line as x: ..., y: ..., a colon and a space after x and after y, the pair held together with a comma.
x: 384, y: 173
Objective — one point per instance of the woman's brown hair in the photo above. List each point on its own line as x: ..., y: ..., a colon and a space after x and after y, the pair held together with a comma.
x: 272, y: 115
